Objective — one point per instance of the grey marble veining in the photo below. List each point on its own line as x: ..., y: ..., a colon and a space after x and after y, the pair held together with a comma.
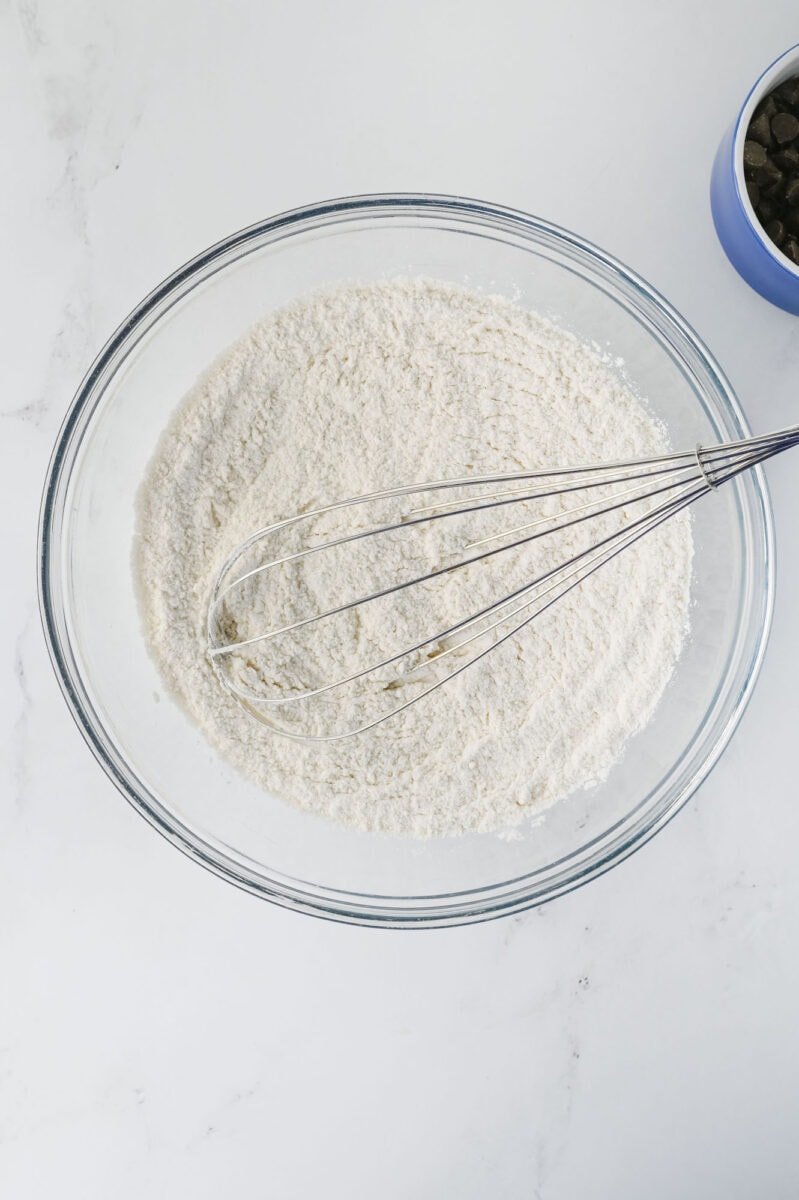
x: 19, y: 728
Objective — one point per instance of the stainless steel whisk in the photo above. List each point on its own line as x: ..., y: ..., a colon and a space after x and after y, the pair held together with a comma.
x: 279, y: 674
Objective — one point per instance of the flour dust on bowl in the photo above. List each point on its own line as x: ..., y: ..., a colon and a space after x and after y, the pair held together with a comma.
x: 159, y: 756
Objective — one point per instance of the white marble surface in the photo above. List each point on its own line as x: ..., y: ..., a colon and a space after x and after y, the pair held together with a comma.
x: 162, y: 1034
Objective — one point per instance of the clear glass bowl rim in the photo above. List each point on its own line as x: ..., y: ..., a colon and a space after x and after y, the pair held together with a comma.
x: 485, y: 903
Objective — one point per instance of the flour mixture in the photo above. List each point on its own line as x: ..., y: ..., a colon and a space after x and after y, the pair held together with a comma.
x: 361, y: 388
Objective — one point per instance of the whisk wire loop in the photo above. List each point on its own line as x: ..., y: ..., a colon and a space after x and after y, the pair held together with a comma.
x: 652, y: 491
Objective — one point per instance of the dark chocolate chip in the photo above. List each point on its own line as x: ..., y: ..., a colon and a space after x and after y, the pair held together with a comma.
x: 791, y: 249
x: 792, y: 192
x: 771, y: 165
x: 776, y: 192
x: 788, y: 90
x: 768, y: 175
x: 760, y: 130
x: 776, y: 231
x: 754, y: 155
x: 765, y: 210
x: 785, y: 127
x: 766, y: 106
x: 787, y: 159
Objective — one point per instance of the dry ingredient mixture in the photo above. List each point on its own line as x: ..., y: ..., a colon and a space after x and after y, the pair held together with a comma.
x: 363, y: 387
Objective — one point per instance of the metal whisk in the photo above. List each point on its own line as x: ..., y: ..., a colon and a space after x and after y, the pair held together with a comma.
x: 330, y: 622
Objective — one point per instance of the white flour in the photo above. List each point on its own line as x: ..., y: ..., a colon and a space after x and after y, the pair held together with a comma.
x: 364, y: 387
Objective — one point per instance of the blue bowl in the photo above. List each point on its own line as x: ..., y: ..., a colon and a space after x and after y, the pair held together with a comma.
x: 746, y: 244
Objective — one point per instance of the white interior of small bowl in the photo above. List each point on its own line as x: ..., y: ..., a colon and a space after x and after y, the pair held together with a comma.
x: 170, y: 768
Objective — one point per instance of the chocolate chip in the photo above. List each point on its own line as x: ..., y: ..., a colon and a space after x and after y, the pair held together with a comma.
x: 785, y: 127
x: 791, y: 249
x: 787, y: 159
x: 768, y: 174
x: 760, y: 130
x: 776, y: 190
x: 771, y: 165
x: 792, y: 192
x: 776, y: 231
x: 754, y: 155
x: 788, y: 90
x: 766, y: 210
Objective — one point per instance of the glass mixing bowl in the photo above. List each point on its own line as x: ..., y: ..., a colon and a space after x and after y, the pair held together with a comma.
x: 164, y: 765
